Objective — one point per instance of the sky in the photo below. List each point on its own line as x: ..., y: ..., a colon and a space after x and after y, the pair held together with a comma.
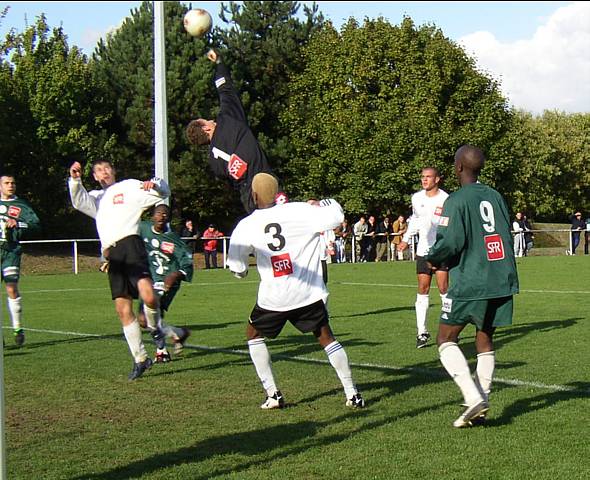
x: 539, y: 52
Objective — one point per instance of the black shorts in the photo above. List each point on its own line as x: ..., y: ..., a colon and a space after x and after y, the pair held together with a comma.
x: 422, y: 267
x: 269, y: 323
x: 128, y: 264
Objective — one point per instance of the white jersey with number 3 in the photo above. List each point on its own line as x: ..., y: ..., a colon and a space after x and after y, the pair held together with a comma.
x: 286, y: 242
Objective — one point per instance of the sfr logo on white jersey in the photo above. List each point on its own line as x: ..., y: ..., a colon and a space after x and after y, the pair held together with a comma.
x: 281, y: 265
x: 118, y: 199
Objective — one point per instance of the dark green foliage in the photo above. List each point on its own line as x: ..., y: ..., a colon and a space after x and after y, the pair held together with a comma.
x: 377, y: 103
x: 50, y: 115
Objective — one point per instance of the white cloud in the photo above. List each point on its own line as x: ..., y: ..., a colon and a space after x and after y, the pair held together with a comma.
x: 90, y: 37
x: 550, y: 71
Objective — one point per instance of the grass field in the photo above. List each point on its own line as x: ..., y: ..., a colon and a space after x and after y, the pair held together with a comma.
x: 71, y: 413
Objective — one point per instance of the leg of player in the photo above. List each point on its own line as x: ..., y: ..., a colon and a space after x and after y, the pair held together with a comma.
x: 455, y: 364
x: 15, y: 311
x: 132, y: 331
x: 151, y: 309
x: 339, y: 361
x: 262, y: 363
x: 422, y: 304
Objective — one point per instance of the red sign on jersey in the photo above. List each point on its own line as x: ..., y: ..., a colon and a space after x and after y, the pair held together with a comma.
x: 167, y: 247
x: 13, y: 211
x: 281, y: 265
x: 494, y: 247
x: 438, y: 211
x: 236, y: 167
x: 118, y: 199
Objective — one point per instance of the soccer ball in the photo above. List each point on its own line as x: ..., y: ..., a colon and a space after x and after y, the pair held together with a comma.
x: 197, y: 22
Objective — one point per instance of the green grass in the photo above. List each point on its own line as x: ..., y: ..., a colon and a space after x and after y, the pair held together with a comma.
x: 72, y: 414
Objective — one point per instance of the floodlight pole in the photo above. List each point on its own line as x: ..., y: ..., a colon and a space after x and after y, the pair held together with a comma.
x: 160, y: 114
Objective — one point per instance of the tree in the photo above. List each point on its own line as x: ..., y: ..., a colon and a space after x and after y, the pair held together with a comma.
x: 50, y: 116
x: 377, y: 103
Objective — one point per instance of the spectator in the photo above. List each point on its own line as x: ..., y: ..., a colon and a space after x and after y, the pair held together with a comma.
x: 369, y: 239
x: 382, y: 238
x: 578, y: 225
x: 400, y: 226
x: 342, y: 234
x: 528, y: 235
x: 518, y: 228
x: 189, y: 233
x: 210, y: 246
x: 360, y: 230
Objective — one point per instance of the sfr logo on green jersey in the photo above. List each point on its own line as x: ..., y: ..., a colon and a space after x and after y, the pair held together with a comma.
x: 494, y: 247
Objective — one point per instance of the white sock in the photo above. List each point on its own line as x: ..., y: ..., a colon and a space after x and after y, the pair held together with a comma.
x: 339, y: 360
x: 15, y: 309
x: 486, y: 363
x: 422, y: 302
x: 261, y: 359
x: 136, y: 346
x: 455, y: 364
x: 152, y: 316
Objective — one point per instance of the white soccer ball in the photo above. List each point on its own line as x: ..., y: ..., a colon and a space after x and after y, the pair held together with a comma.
x: 197, y: 22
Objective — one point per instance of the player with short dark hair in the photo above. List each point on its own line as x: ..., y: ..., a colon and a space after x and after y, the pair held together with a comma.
x: 170, y: 262
x: 427, y: 206
x: 286, y: 242
x: 17, y: 219
x: 475, y: 239
x: 117, y: 209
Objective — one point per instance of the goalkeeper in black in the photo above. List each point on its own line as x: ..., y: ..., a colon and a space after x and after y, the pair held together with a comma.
x: 474, y: 239
x: 234, y: 151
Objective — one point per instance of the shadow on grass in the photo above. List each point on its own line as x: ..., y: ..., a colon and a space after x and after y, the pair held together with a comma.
x: 376, y: 312
x: 264, y: 446
x: 539, y: 402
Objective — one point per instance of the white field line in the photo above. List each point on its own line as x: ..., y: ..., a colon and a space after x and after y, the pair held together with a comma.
x: 376, y: 366
x: 358, y: 284
x: 246, y: 282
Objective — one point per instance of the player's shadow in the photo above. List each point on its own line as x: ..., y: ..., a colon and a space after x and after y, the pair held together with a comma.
x: 258, y: 448
x: 375, y: 312
x: 30, y: 345
x: 545, y: 400
x: 196, y: 327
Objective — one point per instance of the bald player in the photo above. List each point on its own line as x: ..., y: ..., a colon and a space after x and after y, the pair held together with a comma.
x: 286, y: 242
x: 474, y: 239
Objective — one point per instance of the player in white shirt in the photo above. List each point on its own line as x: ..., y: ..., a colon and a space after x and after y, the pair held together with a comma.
x: 286, y: 241
x: 117, y: 209
x: 426, y: 211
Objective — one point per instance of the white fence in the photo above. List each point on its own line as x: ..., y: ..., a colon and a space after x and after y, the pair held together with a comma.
x: 224, y: 242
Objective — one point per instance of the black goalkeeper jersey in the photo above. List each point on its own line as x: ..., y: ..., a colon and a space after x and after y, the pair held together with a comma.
x: 235, y: 153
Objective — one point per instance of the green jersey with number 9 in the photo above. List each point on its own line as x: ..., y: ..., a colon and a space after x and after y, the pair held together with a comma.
x: 474, y: 238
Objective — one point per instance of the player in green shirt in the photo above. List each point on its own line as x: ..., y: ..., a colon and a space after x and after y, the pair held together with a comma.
x: 170, y: 263
x: 474, y: 239
x: 17, y: 219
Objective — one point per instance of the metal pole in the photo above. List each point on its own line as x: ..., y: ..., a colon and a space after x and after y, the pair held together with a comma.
x: 161, y: 131
x: 75, y: 257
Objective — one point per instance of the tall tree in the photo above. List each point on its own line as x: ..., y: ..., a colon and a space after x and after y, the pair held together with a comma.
x: 378, y: 102
x: 49, y: 116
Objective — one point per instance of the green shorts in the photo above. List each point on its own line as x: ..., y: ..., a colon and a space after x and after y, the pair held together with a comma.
x: 10, y: 266
x: 495, y: 312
